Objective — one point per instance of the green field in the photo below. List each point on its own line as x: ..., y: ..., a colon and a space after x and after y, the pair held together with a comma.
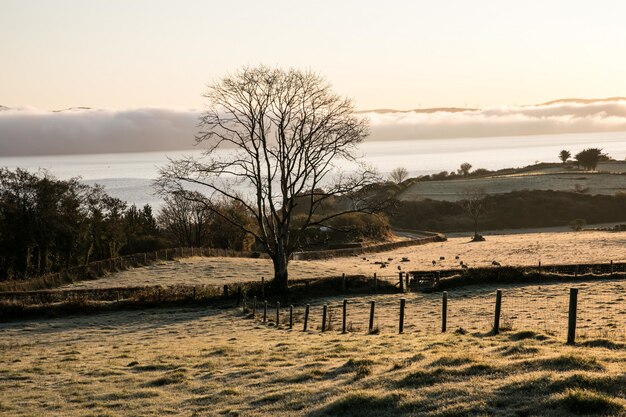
x: 609, y: 179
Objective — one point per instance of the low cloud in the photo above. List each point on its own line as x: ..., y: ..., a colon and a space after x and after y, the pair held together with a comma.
x: 568, y: 117
x: 28, y: 131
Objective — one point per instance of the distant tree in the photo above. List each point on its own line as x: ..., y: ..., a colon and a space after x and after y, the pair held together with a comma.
x: 564, y: 155
x: 474, y: 205
x: 223, y: 234
x: 185, y: 218
x: 464, y: 169
x: 577, y: 224
x: 589, y: 158
x: 399, y: 174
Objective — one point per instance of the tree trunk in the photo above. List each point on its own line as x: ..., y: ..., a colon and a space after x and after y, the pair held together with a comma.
x: 476, y: 227
x: 280, y: 271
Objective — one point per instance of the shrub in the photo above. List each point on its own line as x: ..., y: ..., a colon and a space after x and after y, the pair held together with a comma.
x: 577, y: 224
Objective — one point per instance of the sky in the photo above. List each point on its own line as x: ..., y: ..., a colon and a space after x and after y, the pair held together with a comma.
x: 120, y: 54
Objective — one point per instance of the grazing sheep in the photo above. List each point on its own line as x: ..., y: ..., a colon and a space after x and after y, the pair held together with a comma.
x: 399, y: 268
x: 405, y: 259
x: 496, y: 263
x: 442, y: 258
x: 464, y: 266
x: 434, y: 262
x: 457, y: 257
x: 389, y: 259
x: 461, y: 263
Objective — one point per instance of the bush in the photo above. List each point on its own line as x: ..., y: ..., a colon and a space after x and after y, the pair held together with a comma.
x: 577, y: 224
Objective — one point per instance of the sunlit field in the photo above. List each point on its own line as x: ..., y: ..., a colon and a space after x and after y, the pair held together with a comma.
x: 207, y: 361
x: 508, y: 250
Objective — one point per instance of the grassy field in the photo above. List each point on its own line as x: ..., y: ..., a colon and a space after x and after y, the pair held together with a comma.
x: 518, y: 249
x: 608, y: 180
x: 211, y: 362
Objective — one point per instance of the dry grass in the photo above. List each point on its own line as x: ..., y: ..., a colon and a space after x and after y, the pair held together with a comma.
x: 205, y: 362
x: 519, y: 249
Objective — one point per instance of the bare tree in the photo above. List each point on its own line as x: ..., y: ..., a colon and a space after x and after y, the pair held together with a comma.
x: 185, y: 218
x: 275, y: 138
x: 464, y: 169
x: 398, y: 175
x: 474, y: 205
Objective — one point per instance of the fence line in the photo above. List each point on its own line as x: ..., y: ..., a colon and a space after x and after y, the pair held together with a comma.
x: 571, y: 316
x: 99, y: 268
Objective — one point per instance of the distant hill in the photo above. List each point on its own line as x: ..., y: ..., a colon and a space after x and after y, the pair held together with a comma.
x: 583, y: 100
x: 72, y: 109
x: 463, y: 109
x: 430, y: 110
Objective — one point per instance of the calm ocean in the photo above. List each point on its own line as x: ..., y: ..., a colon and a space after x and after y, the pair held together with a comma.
x: 128, y: 175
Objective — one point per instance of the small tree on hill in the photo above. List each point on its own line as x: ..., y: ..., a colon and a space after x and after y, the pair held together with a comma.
x: 564, y: 155
x: 589, y: 158
x: 474, y: 205
x: 464, y: 169
x: 399, y: 174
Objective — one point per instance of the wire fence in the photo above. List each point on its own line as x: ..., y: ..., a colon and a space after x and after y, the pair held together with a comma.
x: 543, y: 309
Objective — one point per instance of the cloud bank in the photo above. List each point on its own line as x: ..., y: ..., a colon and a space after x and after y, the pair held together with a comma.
x: 568, y: 117
x: 28, y: 131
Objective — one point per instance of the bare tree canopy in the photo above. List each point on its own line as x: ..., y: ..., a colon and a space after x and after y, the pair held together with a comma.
x: 474, y: 205
x: 398, y: 175
x: 275, y: 139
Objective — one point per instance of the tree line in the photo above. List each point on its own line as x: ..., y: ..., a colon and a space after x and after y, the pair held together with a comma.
x: 48, y: 224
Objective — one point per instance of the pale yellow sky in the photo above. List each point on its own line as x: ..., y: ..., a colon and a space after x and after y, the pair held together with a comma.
x: 385, y: 54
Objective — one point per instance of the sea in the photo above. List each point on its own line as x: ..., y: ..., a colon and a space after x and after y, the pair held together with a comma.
x: 129, y: 176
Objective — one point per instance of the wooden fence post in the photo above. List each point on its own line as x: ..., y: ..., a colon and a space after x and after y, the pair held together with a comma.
x: 343, y: 282
x: 371, y: 323
x: 401, y: 282
x: 263, y: 287
x: 324, y: 313
x: 496, y: 319
x: 401, y: 325
x: 444, y: 311
x: 277, y: 313
x: 406, y: 282
x: 265, y: 311
x: 291, y: 317
x: 571, y: 325
x: 344, y: 315
x: 375, y: 282
x: 611, y: 267
x: 306, y: 317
